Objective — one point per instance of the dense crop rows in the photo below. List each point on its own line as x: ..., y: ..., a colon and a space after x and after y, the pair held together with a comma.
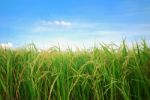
x: 102, y: 73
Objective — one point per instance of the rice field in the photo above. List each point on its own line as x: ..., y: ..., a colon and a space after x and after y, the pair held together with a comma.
x: 102, y: 73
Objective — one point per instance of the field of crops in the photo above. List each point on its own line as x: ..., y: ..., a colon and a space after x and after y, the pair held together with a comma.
x: 103, y: 73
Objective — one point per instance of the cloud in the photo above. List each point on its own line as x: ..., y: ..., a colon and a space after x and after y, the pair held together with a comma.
x: 55, y: 23
x: 62, y: 23
x: 6, y: 45
x: 50, y: 26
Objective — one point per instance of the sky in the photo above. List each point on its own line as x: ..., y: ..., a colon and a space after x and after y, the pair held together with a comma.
x: 73, y: 23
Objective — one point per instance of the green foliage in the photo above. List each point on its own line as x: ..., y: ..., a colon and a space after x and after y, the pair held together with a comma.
x: 99, y: 74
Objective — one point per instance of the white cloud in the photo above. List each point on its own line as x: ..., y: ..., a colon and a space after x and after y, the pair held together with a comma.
x: 6, y: 45
x: 50, y: 26
x: 58, y: 23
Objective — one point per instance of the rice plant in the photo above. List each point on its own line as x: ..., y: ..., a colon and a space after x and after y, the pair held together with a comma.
x: 103, y: 73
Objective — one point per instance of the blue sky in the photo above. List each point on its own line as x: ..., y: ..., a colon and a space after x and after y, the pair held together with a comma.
x: 75, y: 23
